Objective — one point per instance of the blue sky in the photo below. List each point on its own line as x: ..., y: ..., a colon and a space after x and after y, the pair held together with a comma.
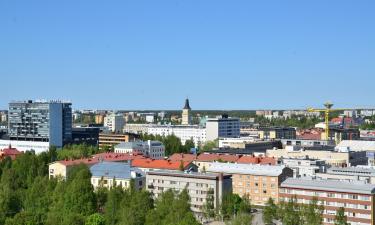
x: 222, y: 54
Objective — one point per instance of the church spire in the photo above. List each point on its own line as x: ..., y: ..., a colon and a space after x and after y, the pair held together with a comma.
x: 187, y: 106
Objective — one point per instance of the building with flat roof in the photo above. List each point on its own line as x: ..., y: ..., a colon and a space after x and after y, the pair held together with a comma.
x: 273, y: 133
x: 110, y: 139
x: 360, y: 145
x: 114, y: 122
x: 222, y: 127
x: 184, y: 132
x: 304, y: 167
x: 110, y: 174
x: 198, y: 186
x: 357, y: 199
x: 258, y: 182
x: 332, y: 158
x: 365, y: 174
x: 40, y: 121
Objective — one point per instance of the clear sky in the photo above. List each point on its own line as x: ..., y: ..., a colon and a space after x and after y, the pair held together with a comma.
x: 222, y: 54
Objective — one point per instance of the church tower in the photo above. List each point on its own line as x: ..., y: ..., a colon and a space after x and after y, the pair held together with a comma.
x: 186, y: 116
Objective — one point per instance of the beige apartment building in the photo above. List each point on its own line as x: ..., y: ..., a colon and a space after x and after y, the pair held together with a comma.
x: 333, y: 158
x: 197, y: 185
x: 258, y: 182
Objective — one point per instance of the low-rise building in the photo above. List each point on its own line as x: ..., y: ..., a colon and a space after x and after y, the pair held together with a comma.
x: 360, y: 145
x: 9, y: 152
x: 184, y: 132
x: 205, y: 160
x: 198, y: 185
x: 333, y: 158
x: 258, y: 182
x: 152, y: 149
x: 304, y: 167
x: 61, y: 169
x: 110, y: 174
x: 356, y: 199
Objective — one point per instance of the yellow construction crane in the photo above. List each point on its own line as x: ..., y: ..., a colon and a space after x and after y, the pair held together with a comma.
x: 328, y: 109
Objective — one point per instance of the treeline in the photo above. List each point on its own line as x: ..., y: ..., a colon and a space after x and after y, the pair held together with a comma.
x: 293, y: 213
x: 77, y: 151
x: 302, y: 122
x: 29, y: 197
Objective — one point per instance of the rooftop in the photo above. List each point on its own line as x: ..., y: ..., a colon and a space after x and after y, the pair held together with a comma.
x: 357, y: 145
x: 329, y: 185
x: 160, y: 164
x: 210, y: 157
x: 108, y: 156
x: 212, y: 176
x: 247, y: 159
x: 113, y: 170
x: 254, y: 169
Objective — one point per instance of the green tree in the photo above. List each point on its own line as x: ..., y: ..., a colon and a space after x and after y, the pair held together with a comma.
x: 113, y: 204
x: 340, y: 218
x: 241, y: 219
x: 313, y: 213
x: 209, y: 205
x: 95, y: 219
x: 290, y: 212
x: 270, y: 211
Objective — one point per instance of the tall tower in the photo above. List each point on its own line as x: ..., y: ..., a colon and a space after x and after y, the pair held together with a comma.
x: 186, y: 117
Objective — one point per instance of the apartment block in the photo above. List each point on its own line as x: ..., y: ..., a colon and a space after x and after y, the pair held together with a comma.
x: 198, y: 185
x: 356, y: 198
x: 258, y: 182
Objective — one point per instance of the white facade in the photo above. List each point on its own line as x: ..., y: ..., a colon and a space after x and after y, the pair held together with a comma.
x: 37, y: 146
x: 114, y: 122
x: 305, y: 167
x: 185, y: 133
x: 152, y: 149
x: 222, y: 127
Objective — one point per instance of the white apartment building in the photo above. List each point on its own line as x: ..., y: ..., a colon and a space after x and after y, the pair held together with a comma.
x: 114, y: 122
x: 152, y: 149
x: 197, y: 185
x: 222, y: 127
x: 198, y: 134
x: 304, y: 167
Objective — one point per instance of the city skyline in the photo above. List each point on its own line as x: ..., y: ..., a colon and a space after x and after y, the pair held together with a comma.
x: 133, y: 55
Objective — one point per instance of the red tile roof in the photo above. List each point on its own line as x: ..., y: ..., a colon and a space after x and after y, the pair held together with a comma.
x: 183, y: 157
x: 246, y: 159
x: 159, y: 164
x: 108, y: 156
x: 210, y: 157
x: 11, y: 152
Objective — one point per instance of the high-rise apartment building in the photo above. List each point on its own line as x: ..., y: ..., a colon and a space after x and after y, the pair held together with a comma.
x: 114, y: 122
x: 40, y: 121
x: 222, y: 127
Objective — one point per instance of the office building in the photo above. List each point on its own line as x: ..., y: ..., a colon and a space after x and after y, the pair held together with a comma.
x: 110, y: 140
x: 258, y: 182
x: 222, y: 127
x: 359, y: 145
x: 186, y: 114
x: 40, y: 121
x: 110, y: 174
x: 357, y: 199
x: 197, y: 185
x: 114, y: 122
x: 152, y: 149
x: 272, y: 133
